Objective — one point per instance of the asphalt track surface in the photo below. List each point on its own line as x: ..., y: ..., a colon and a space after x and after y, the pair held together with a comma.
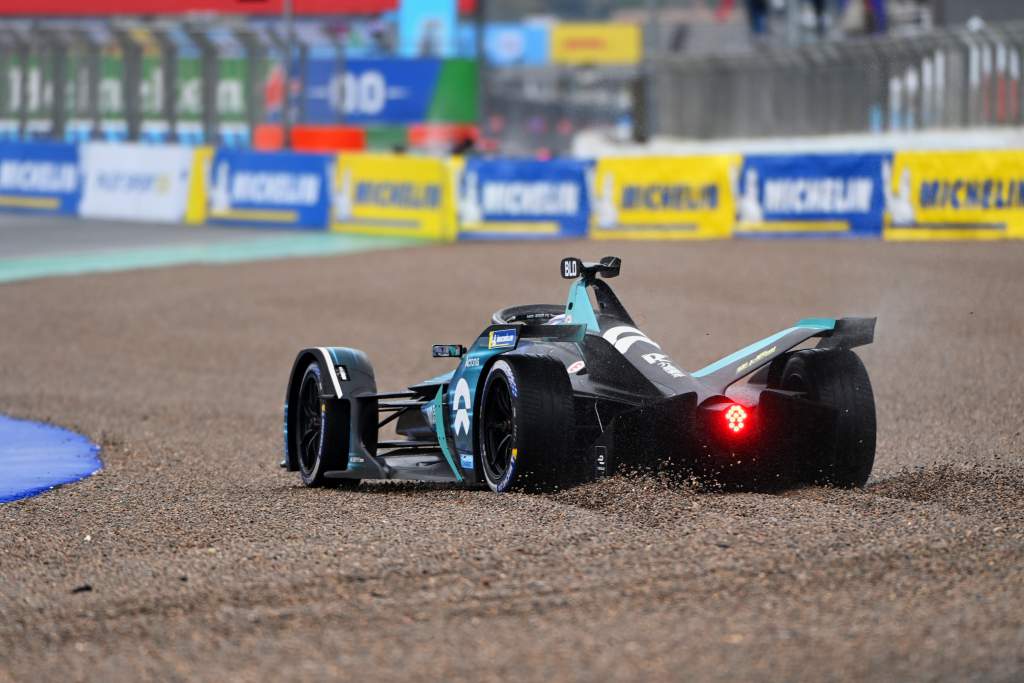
x: 191, y: 556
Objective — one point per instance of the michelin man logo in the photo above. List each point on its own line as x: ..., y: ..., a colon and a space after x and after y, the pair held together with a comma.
x: 607, y: 212
x: 898, y: 204
x: 470, y: 211
x: 748, y: 203
x: 220, y: 189
x: 343, y: 197
x: 461, y: 406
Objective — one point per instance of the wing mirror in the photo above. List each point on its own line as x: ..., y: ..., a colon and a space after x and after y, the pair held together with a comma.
x: 449, y: 350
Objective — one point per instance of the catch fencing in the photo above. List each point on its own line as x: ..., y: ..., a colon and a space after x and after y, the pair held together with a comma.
x: 946, y: 79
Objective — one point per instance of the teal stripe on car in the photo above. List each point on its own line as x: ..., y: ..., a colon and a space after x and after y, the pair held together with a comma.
x: 578, y: 309
x: 442, y: 438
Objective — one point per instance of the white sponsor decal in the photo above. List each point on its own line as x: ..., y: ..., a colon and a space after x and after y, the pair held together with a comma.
x: 576, y: 367
x: 261, y: 188
x: 515, y: 198
x: 461, y: 406
x: 531, y: 198
x: 818, y: 195
x: 363, y: 94
x: 38, y: 176
x: 289, y: 189
x: 624, y: 336
x: 662, y: 361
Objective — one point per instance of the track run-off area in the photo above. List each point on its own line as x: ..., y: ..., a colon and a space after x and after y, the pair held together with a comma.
x: 191, y: 556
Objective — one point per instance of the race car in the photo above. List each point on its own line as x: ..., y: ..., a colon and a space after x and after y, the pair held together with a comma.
x: 551, y: 396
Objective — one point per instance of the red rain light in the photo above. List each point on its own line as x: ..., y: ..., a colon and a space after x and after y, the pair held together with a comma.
x: 735, y: 418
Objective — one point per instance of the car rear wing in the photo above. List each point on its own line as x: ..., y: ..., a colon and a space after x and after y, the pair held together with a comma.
x: 844, y: 333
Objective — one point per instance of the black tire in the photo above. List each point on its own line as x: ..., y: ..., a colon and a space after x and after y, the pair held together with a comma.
x: 320, y: 427
x: 525, y: 431
x: 839, y: 379
x: 535, y: 314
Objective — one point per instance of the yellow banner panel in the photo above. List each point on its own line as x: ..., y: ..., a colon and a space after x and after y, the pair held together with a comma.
x: 957, y: 195
x: 593, y: 43
x: 663, y: 197
x: 195, y: 211
x: 400, y: 196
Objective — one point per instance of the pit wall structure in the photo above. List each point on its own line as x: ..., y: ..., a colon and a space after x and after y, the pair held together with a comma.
x: 896, y: 195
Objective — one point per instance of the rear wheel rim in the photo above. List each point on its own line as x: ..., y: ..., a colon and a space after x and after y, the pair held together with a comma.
x: 310, y: 422
x: 498, y: 429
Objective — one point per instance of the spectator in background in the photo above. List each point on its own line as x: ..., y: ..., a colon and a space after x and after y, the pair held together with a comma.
x: 757, y: 14
x: 877, y: 20
x: 819, y: 17
x: 863, y: 16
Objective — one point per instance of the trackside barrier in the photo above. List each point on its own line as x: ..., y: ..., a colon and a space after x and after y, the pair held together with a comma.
x: 134, y: 181
x: 39, y: 178
x: 810, y: 195
x: 394, y: 195
x: 652, y: 198
x: 955, y: 196
x: 914, y: 195
x: 523, y: 198
x: 273, y: 189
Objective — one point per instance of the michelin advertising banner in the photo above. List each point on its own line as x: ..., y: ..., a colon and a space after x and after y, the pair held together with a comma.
x: 664, y: 197
x: 967, y: 195
x: 810, y: 195
x: 273, y: 189
x: 135, y: 181
x: 39, y: 177
x: 398, y: 196
x: 523, y: 198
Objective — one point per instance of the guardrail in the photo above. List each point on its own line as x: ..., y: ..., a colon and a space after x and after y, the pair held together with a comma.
x: 900, y: 195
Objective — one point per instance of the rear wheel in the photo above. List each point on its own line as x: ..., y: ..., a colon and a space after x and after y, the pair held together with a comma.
x: 526, y: 426
x: 320, y: 425
x: 836, y: 378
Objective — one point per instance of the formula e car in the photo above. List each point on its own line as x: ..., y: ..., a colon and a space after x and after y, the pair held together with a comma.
x: 550, y: 396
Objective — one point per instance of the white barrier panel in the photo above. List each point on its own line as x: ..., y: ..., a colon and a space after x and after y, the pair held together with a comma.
x: 135, y: 181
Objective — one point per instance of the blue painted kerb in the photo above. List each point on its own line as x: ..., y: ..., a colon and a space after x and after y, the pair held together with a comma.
x: 36, y: 457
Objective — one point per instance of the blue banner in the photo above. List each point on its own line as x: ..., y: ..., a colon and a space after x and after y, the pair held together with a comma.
x: 508, y: 44
x: 40, y: 177
x: 809, y: 194
x: 368, y: 91
x: 273, y: 189
x: 523, y: 198
x: 517, y: 44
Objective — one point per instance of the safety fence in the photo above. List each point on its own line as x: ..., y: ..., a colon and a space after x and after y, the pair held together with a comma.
x: 900, y: 195
x: 960, y: 78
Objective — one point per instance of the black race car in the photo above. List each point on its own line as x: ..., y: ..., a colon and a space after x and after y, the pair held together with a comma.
x: 549, y: 396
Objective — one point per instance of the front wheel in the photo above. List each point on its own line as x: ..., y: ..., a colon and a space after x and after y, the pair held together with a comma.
x: 836, y: 378
x: 319, y: 426
x: 526, y: 426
